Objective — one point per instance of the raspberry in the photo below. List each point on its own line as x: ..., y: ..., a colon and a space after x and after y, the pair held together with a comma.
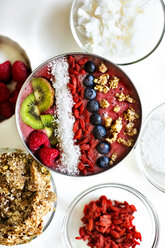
x: 20, y: 72
x: 48, y: 155
x: 37, y: 139
x: 6, y: 109
x: 4, y: 92
x: 5, y: 71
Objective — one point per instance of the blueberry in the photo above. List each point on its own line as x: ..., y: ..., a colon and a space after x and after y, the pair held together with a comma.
x: 88, y: 80
x: 103, y: 147
x: 99, y: 132
x: 89, y: 93
x: 96, y: 119
x: 93, y: 106
x: 103, y: 162
x: 90, y: 66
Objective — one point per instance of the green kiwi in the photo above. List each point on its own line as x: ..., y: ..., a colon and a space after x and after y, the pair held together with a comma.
x: 43, y: 92
x: 30, y: 113
x: 50, y: 124
x: 47, y: 121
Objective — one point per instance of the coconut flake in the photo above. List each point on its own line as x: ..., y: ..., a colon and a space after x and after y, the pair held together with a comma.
x: 64, y: 103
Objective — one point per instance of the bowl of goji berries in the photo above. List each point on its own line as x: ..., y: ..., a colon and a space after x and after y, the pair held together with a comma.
x: 14, y: 70
x: 79, y: 114
x: 111, y: 215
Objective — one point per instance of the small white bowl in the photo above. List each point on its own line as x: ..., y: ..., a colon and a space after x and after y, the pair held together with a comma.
x: 147, y: 33
x: 155, y: 174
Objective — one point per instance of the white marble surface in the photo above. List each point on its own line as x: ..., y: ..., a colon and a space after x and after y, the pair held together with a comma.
x: 42, y: 29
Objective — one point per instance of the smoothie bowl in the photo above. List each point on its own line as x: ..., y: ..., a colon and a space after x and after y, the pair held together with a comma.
x: 78, y: 114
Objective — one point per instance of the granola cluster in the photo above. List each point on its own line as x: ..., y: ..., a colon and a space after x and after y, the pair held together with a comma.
x: 104, y: 103
x: 115, y: 128
x: 25, y: 198
x: 122, y: 97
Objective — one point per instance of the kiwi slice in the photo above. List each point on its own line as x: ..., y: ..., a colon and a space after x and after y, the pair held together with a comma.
x: 51, y: 126
x: 47, y: 121
x: 43, y: 92
x: 30, y: 113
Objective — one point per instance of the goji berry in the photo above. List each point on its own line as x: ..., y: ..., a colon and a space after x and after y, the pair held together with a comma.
x: 71, y: 61
x: 82, y: 72
x: 81, y: 109
x: 78, y: 134
x: 84, y: 140
x: 74, y: 81
x: 76, y: 126
x: 76, y: 113
x: 84, y: 147
x: 77, y: 67
x: 72, y: 71
x: 77, y: 105
x: 82, y: 61
x: 90, y: 153
x: 82, y: 93
x: 75, y: 98
x: 83, y: 158
x: 70, y: 86
x: 81, y: 166
x: 99, y: 228
x: 82, y: 124
x: 93, y: 145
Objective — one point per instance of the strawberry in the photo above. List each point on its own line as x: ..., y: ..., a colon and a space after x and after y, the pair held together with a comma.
x: 13, y: 96
x: 5, y: 71
x: 48, y: 155
x: 4, y: 92
x: 20, y: 72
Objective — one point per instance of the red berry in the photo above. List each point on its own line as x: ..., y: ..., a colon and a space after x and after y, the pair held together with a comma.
x: 6, y: 109
x: 4, y: 92
x: 14, y: 96
x: 37, y: 139
x: 20, y: 72
x: 48, y: 155
x: 5, y: 71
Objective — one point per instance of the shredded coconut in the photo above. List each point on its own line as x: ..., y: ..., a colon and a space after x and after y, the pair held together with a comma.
x: 111, y: 26
x: 64, y: 103
x: 153, y: 143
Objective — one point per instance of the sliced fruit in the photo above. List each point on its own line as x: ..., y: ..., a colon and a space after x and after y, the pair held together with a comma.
x: 43, y: 92
x: 53, y: 140
x: 30, y: 113
x: 47, y: 121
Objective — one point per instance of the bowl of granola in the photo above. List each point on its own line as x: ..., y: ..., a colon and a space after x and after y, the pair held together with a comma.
x: 79, y: 114
x: 27, y: 197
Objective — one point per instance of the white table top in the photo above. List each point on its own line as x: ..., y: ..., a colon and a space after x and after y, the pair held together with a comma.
x: 42, y: 29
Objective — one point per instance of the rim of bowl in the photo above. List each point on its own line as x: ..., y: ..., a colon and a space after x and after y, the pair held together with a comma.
x: 21, y: 50
x: 138, y: 153
x: 75, y: 36
x: 53, y: 187
x: 31, y: 75
x: 131, y: 190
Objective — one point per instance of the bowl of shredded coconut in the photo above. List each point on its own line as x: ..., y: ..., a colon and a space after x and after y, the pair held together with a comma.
x: 151, y: 146
x: 123, y: 31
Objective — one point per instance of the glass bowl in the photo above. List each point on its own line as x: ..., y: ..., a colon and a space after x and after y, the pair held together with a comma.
x: 144, y: 41
x: 12, y: 51
x: 146, y: 219
x: 47, y: 219
x: 150, y: 165
x: 127, y: 86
